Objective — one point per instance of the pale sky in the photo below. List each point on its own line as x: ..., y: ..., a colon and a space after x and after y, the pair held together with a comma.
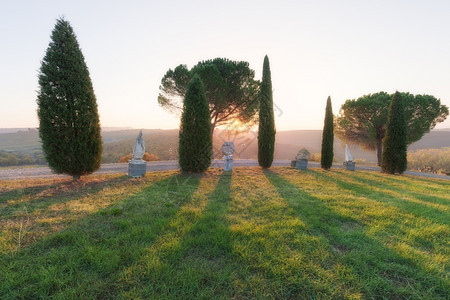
x: 343, y: 49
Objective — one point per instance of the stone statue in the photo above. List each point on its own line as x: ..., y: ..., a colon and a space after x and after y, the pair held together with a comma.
x: 301, y: 160
x: 136, y: 166
x: 349, y: 163
x: 227, y: 150
x: 139, y: 147
x: 348, y: 156
x: 303, y: 154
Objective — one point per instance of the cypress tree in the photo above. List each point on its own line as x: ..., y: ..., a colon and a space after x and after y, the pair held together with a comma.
x: 69, y: 125
x: 393, y: 158
x: 195, y: 141
x: 266, y: 132
x: 326, y: 159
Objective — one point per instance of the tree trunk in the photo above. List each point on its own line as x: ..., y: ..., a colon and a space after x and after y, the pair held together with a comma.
x: 379, y: 151
x: 213, y: 126
x: 76, y: 178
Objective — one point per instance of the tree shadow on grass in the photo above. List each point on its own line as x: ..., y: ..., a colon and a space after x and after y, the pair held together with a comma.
x: 195, y: 264
x: 433, y: 184
x: 84, y: 261
x: 28, y: 219
x: 409, y: 184
x: 361, y: 187
x: 381, y: 272
x: 368, y: 179
x: 17, y: 193
x: 34, y: 198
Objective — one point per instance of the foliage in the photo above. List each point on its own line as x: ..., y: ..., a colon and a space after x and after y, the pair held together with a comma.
x: 393, y: 159
x: 266, y: 130
x: 69, y: 124
x: 229, y: 87
x: 195, y: 140
x: 363, y: 121
x: 15, y: 158
x: 146, y: 157
x: 326, y: 157
x: 436, y: 159
x: 316, y: 157
x: 317, y: 235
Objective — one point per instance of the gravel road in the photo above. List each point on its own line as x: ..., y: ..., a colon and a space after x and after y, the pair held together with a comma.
x: 44, y: 172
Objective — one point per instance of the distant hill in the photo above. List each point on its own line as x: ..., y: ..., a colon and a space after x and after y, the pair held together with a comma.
x: 14, y: 130
x: 164, y: 143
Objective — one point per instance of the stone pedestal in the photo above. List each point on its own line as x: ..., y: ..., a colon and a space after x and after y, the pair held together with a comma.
x: 293, y: 162
x: 349, y: 165
x: 137, y: 168
x: 301, y: 164
x: 228, y: 160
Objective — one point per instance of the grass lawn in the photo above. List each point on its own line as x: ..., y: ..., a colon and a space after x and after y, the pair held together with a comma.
x: 279, y: 233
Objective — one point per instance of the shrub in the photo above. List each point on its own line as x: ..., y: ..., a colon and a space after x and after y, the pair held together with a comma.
x: 146, y: 157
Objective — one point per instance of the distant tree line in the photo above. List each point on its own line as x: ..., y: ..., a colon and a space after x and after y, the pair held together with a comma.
x: 20, y: 159
x: 430, y: 160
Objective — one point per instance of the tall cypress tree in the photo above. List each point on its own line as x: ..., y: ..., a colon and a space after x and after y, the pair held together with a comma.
x: 195, y: 142
x: 69, y: 125
x: 266, y: 132
x: 326, y: 159
x: 393, y: 158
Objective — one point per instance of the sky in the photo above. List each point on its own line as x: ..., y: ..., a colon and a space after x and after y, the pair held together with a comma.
x: 342, y: 49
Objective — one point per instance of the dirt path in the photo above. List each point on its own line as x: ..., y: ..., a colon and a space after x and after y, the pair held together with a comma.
x: 45, y: 172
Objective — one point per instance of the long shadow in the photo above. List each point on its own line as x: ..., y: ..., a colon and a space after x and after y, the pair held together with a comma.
x: 199, y: 266
x: 96, y: 247
x: 41, y: 198
x: 381, y: 271
x: 420, y: 210
x: 17, y: 193
x: 419, y: 196
x: 431, y: 184
x: 436, y: 184
x: 28, y: 219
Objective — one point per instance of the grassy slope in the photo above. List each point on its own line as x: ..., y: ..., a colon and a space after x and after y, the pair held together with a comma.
x: 279, y: 233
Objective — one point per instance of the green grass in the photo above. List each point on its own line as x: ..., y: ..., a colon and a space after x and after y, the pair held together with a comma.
x: 279, y: 233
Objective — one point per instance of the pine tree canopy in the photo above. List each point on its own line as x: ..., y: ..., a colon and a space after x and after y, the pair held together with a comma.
x: 230, y: 89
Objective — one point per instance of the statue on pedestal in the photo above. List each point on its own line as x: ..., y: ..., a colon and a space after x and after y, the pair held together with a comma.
x: 349, y: 163
x: 301, y: 160
x: 227, y: 150
x: 136, y: 166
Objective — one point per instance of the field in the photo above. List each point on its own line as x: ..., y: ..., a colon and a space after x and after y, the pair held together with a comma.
x: 279, y: 233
